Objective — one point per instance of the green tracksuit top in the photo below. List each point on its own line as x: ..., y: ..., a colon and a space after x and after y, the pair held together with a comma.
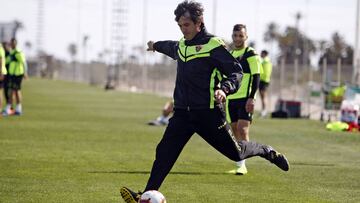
x: 17, y: 64
x: 265, y: 76
x: 251, y: 64
x: 3, y: 60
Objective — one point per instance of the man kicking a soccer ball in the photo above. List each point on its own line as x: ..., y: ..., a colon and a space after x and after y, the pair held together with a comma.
x: 200, y: 58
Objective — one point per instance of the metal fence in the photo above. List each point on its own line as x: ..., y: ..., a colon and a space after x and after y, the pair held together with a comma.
x: 289, y: 81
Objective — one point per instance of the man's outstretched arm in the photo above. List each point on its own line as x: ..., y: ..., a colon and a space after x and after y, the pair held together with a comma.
x: 168, y: 48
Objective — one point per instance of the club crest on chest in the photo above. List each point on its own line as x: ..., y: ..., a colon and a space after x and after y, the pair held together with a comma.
x: 198, y: 48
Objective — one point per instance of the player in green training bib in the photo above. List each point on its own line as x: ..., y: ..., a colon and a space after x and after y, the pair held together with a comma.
x: 240, y: 106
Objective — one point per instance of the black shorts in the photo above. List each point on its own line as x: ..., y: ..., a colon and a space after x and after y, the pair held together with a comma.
x: 263, y: 86
x: 2, y: 83
x: 15, y: 82
x: 235, y: 110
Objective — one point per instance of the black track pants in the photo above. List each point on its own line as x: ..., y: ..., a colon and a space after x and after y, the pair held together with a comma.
x: 211, y: 126
x: 7, y: 90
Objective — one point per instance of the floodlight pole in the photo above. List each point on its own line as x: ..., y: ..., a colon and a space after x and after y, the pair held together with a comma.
x: 104, y: 33
x: 78, y: 43
x: 356, y: 56
x: 40, y: 27
x: 282, y: 71
x: 214, y: 16
x: 296, y: 75
x: 144, y: 61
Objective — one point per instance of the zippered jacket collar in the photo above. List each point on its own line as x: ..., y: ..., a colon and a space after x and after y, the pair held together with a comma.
x: 201, y: 37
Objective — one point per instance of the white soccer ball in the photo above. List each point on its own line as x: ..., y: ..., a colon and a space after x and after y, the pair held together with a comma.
x: 152, y: 196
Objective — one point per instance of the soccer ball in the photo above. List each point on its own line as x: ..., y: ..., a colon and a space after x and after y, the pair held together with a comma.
x: 152, y: 196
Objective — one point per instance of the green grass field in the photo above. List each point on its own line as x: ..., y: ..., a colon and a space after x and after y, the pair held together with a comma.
x: 77, y: 143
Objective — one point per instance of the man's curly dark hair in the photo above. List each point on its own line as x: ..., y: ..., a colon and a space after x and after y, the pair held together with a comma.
x: 191, y: 9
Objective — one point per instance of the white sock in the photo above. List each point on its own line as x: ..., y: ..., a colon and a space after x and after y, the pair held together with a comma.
x: 240, y: 163
x: 8, y: 107
x: 18, y: 108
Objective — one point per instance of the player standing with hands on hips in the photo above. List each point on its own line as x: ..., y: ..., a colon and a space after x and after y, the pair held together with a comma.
x: 200, y: 58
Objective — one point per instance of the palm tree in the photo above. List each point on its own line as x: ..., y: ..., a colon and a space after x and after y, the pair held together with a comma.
x: 84, y: 44
x: 292, y: 44
x: 271, y: 33
x: 337, y: 48
x: 28, y: 46
x: 72, y: 49
x: 17, y: 26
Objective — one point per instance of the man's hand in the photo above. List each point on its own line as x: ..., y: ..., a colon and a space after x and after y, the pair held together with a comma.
x: 220, y: 96
x: 250, y: 104
x: 150, y: 46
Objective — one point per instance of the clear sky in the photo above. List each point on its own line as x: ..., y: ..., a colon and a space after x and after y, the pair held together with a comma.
x: 66, y: 21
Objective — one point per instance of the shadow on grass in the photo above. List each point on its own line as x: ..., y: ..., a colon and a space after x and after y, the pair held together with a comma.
x: 311, y: 164
x: 173, y: 173
x: 212, y: 173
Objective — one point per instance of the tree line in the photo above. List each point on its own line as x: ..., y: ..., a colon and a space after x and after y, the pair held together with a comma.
x: 294, y: 43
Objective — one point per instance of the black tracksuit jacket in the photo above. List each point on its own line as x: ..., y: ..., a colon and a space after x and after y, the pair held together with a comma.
x: 193, y: 89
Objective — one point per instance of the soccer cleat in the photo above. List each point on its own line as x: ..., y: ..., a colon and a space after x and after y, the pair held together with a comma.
x: 129, y: 196
x: 239, y: 170
x: 278, y: 159
x: 155, y: 123
x: 242, y: 170
x: 8, y: 112
x: 18, y: 113
x: 164, y: 121
x: 159, y: 121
